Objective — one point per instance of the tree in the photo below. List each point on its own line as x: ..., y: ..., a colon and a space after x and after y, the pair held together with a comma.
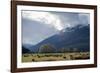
x: 75, y: 50
x: 47, y: 48
x: 64, y: 50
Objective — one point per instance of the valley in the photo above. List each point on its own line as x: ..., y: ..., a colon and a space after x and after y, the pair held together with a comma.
x: 55, y: 56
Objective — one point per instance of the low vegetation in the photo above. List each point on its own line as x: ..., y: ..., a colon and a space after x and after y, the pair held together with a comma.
x: 54, y: 56
x: 48, y: 52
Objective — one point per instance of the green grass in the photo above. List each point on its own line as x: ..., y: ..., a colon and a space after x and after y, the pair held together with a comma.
x: 54, y: 56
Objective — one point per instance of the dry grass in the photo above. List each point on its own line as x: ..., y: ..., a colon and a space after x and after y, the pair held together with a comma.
x: 55, y: 56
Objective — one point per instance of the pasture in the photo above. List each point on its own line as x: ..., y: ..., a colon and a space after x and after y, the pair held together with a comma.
x: 54, y: 56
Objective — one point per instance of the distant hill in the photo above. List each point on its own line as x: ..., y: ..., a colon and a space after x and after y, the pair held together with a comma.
x: 28, y: 46
x: 25, y: 50
x: 75, y: 37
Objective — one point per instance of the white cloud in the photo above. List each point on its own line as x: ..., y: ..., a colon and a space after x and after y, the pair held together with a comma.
x: 42, y: 25
x: 58, y: 21
x: 44, y: 17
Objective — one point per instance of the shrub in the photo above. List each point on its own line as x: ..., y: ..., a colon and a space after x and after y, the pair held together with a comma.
x: 33, y: 59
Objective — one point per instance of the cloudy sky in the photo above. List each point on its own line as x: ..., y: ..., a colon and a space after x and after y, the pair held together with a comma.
x: 39, y: 25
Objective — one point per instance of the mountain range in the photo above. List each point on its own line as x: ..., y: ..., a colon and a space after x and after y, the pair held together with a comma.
x: 72, y: 37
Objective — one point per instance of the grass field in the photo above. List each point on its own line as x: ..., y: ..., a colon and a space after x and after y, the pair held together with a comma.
x: 55, y: 56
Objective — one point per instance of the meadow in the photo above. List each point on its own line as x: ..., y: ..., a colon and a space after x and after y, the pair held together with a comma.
x: 37, y: 57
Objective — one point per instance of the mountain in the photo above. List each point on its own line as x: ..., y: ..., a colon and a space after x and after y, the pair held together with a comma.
x: 25, y: 50
x: 74, y: 37
x: 28, y: 46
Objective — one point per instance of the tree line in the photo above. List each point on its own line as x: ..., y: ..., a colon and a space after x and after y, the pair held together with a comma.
x: 48, y: 48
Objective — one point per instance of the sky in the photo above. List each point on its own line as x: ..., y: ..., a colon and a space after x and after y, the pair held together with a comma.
x: 39, y: 25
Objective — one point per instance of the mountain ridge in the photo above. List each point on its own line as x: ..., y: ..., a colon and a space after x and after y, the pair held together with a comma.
x: 75, y: 37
